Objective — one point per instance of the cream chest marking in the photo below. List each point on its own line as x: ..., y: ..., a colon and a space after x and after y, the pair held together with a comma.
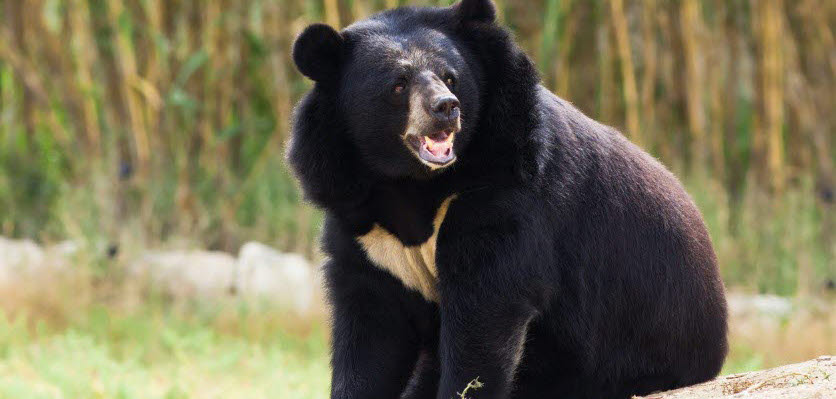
x: 413, y: 265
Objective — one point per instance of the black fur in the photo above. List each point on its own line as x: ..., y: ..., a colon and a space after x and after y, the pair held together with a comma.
x: 322, y: 55
x: 566, y: 244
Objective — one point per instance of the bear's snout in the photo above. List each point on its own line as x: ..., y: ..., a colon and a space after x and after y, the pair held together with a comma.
x: 445, y: 108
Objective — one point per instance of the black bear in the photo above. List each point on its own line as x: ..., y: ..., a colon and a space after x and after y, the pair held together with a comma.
x: 478, y: 226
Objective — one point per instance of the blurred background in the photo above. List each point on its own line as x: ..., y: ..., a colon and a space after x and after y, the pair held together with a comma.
x: 142, y: 142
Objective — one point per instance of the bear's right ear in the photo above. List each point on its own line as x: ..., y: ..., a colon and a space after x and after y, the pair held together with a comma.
x: 477, y: 10
x: 317, y: 52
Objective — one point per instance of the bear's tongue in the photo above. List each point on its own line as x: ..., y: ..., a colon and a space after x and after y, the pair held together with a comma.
x: 438, y: 144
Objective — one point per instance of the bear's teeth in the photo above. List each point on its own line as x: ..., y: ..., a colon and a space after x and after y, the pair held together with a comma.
x: 432, y: 145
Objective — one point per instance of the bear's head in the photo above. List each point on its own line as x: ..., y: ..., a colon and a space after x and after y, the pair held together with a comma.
x: 412, y: 93
x: 407, y: 89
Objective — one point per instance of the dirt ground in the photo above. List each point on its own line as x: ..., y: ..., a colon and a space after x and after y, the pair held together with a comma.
x: 807, y: 380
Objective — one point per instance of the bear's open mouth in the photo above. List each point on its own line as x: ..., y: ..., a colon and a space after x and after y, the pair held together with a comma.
x: 434, y: 149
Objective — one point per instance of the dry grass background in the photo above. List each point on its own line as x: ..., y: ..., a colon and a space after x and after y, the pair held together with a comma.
x: 760, y: 341
x: 163, y: 123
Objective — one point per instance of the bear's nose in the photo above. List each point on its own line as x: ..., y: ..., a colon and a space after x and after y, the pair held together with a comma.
x: 446, y: 107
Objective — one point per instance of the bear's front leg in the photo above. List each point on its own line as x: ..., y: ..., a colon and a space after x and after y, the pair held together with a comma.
x: 490, y: 290
x: 481, y: 337
x: 375, y: 346
x: 424, y: 382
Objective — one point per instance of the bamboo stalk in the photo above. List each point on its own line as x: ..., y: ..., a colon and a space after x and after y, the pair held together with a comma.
x: 16, y: 30
x: 690, y: 19
x: 81, y: 44
x: 54, y: 60
x: 716, y: 88
x: 822, y: 102
x: 154, y: 65
x: 198, y: 36
x: 282, y: 82
x: 221, y: 63
x: 3, y: 101
x: 31, y: 83
x: 770, y: 120
x: 211, y: 79
x: 552, y: 20
x: 240, y: 103
x: 126, y: 63
x: 332, y: 13
x: 628, y: 77
x: 667, y: 64
x: 648, y: 82
x: 358, y: 10
x: 735, y: 172
x: 775, y: 98
x: 606, y: 86
x: 563, y: 65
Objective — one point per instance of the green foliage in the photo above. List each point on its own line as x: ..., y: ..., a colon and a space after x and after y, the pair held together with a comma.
x: 766, y: 246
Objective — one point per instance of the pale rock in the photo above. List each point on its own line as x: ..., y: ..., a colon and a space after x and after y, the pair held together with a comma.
x: 64, y: 249
x: 741, y: 305
x: 187, y: 274
x: 284, y: 279
x: 19, y: 258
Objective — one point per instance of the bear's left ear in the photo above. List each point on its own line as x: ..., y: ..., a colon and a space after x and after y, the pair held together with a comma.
x: 317, y: 52
x: 476, y: 10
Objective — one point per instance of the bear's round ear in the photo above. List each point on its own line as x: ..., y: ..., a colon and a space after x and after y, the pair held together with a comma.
x: 477, y: 10
x: 317, y: 52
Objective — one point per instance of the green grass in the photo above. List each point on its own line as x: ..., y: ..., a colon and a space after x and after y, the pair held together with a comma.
x: 156, y: 353
x: 157, y: 350
x: 742, y: 358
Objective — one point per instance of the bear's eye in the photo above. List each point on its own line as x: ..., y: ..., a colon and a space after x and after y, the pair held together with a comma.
x: 400, y: 85
x: 450, y: 81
